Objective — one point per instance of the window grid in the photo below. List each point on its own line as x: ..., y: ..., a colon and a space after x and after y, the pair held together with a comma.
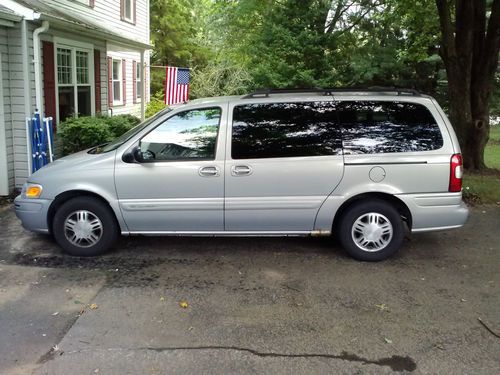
x: 117, y: 81
x: 64, y: 72
x: 138, y: 81
x: 82, y: 68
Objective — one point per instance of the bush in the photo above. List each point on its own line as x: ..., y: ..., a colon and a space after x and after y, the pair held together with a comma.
x: 80, y: 133
x: 121, y: 124
x: 155, y: 105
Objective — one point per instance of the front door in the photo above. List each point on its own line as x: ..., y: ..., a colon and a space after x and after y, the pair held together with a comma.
x: 180, y: 185
x: 283, y: 160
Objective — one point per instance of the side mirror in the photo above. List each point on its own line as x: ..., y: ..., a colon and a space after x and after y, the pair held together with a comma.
x: 132, y: 156
x: 136, y: 151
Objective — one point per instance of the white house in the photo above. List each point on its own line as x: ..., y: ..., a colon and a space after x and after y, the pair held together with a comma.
x: 67, y: 58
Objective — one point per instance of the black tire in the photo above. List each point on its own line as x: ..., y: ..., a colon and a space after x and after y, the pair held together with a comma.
x: 107, y: 231
x: 383, y: 211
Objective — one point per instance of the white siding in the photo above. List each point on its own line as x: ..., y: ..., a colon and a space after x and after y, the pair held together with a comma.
x: 107, y: 13
x: 15, y: 83
x: 5, y: 117
x: 129, y: 107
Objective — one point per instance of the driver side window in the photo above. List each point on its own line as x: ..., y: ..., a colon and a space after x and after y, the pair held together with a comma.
x: 190, y: 135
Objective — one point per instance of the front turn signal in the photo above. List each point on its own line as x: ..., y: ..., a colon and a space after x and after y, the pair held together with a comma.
x: 33, y: 191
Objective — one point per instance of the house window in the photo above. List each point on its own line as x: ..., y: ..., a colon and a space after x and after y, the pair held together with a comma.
x: 127, y: 10
x: 117, y: 81
x: 74, y: 85
x: 138, y: 82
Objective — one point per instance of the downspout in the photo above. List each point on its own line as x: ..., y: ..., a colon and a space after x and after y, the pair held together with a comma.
x: 26, y: 86
x: 36, y: 62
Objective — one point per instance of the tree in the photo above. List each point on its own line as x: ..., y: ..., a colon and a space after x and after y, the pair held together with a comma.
x: 177, y: 33
x: 470, y: 50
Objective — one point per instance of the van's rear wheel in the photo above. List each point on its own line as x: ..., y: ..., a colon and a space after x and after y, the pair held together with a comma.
x: 371, y: 231
x: 84, y: 226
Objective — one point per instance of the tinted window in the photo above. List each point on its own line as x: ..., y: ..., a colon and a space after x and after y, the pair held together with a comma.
x: 378, y: 127
x: 284, y: 130
x: 188, y: 135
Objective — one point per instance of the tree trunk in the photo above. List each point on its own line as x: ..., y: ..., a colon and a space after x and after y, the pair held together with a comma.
x: 470, y: 47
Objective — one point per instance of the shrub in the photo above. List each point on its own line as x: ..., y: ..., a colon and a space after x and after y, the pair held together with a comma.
x: 80, y: 133
x: 77, y: 134
x: 155, y: 105
x: 121, y: 123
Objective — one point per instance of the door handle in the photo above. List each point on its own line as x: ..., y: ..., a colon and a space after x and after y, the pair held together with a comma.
x: 209, y: 172
x: 241, y: 170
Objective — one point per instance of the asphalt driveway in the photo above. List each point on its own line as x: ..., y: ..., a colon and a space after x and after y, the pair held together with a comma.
x: 275, y: 305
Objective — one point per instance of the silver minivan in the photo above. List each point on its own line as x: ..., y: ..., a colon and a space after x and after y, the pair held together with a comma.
x: 366, y: 165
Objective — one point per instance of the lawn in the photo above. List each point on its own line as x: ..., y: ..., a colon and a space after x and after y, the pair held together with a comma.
x: 485, y: 188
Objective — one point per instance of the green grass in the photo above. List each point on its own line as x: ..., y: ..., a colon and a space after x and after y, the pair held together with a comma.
x: 485, y: 188
x: 492, y: 151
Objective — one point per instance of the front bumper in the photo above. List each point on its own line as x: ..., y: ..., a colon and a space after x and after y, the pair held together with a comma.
x: 431, y: 212
x: 33, y: 213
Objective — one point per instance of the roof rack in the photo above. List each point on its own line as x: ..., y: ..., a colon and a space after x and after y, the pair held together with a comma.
x: 399, y: 91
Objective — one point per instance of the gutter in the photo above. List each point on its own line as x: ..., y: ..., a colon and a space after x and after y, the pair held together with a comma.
x: 37, y: 64
x: 96, y: 32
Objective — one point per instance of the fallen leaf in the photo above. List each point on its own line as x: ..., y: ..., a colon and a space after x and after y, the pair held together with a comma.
x: 463, y: 300
x: 183, y: 304
x: 190, y: 328
x: 162, y: 299
x: 382, y: 306
x: 93, y: 306
x: 439, y: 346
x: 56, y: 313
x: 389, y: 341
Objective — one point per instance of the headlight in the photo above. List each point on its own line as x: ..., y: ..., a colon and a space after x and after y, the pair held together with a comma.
x: 31, y: 190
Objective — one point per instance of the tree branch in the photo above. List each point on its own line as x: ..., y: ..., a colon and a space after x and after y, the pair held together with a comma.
x: 492, y: 43
x: 448, y: 39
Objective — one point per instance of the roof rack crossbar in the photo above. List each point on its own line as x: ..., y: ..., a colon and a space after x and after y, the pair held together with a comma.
x: 330, y: 91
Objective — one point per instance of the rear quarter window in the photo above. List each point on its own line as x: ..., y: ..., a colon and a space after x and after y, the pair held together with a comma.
x: 370, y: 127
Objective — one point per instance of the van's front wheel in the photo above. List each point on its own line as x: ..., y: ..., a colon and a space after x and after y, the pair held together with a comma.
x: 84, y: 226
x: 371, y: 231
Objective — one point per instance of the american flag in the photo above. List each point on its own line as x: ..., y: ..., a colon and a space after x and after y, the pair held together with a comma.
x: 176, y: 85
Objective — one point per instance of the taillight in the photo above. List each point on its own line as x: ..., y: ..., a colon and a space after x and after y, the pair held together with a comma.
x: 456, y: 173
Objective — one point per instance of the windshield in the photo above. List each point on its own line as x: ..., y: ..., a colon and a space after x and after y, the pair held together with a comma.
x: 117, y: 142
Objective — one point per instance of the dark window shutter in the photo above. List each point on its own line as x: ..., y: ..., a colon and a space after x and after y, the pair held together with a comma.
x: 97, y: 80
x: 110, y: 81
x: 91, y: 3
x: 124, y: 79
x: 134, y: 81
x: 49, y: 80
x: 122, y: 9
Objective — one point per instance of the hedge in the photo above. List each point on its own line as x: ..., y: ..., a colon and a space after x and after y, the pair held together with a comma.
x: 80, y: 133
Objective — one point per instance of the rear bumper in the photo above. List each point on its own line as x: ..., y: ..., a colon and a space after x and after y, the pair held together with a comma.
x: 33, y: 213
x: 431, y: 212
